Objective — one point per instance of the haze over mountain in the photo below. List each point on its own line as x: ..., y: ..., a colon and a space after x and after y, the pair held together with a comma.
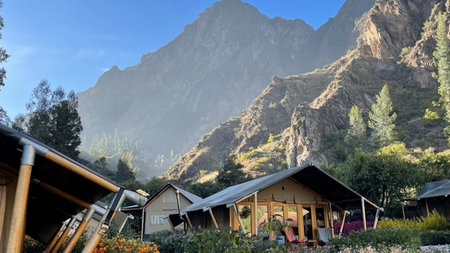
x: 296, y: 118
x: 209, y: 73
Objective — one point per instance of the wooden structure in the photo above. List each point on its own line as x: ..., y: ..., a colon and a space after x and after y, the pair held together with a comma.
x: 434, y: 196
x: 305, y: 194
x: 41, y: 188
x: 170, y: 199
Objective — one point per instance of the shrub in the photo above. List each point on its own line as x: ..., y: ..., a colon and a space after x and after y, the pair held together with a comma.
x: 434, y: 221
x: 435, y: 237
x: 169, y: 242
x: 224, y: 240
x: 379, y: 239
x: 350, y: 226
x: 121, y: 244
x: 32, y: 246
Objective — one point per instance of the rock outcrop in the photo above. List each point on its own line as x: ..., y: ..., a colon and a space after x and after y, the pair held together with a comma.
x: 394, y: 48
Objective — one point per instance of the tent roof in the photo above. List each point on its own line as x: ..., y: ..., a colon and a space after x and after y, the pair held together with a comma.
x: 47, y: 210
x: 308, y: 175
x: 190, y: 196
x: 434, y: 189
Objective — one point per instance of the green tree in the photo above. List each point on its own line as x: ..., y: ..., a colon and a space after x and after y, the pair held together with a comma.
x: 356, y: 135
x: 124, y: 173
x: 442, y: 62
x: 231, y: 173
x: 381, y: 120
x: 205, y: 189
x: 383, y: 178
x: 434, y: 167
x: 53, y: 119
x: 3, y: 56
x: 101, y: 166
x: 154, y: 185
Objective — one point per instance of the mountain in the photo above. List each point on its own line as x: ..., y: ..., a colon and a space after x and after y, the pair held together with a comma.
x: 209, y: 73
x: 296, y: 117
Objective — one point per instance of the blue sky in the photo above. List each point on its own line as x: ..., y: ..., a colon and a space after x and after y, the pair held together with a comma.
x: 71, y: 43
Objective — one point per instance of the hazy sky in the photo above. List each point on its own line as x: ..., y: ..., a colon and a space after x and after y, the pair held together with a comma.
x: 71, y: 43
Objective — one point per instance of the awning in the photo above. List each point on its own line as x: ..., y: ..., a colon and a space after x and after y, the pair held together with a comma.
x: 434, y: 189
x: 60, y: 187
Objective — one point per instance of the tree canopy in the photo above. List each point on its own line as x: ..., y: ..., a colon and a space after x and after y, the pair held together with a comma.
x: 381, y: 120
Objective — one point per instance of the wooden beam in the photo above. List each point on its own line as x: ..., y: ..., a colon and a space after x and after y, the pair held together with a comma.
x: 63, y: 194
x: 213, y: 218
x: 239, y: 218
x: 255, y: 196
x: 81, y: 171
x: 342, y: 224
x: 363, y: 209
x: 375, y: 222
x: 331, y: 217
x: 77, y: 235
x: 17, y: 227
x: 189, y: 221
x: 63, y: 236
x: 55, y: 238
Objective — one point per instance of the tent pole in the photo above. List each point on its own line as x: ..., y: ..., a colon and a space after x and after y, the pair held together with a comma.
x: 376, y: 218
x: 189, y: 221
x: 63, y: 236
x: 19, y: 211
x: 77, y: 235
x: 426, y: 205
x: 239, y: 218
x: 403, y: 211
x: 363, y: 209
x: 342, y: 224
x: 256, y: 213
x: 212, y: 217
x: 331, y: 218
x: 55, y: 238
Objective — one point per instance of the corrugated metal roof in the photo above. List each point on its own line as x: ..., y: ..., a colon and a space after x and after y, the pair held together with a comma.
x: 309, y: 175
x: 434, y: 189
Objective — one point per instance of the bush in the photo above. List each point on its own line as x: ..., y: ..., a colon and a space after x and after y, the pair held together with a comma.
x: 434, y: 221
x: 378, y: 239
x: 224, y: 240
x: 169, y: 242
x: 32, y: 246
x: 435, y: 237
x: 356, y: 225
x: 121, y: 244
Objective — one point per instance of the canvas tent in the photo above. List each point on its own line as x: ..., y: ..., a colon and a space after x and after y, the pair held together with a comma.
x: 305, y: 192
x: 166, y: 201
x: 434, y: 195
x: 41, y: 188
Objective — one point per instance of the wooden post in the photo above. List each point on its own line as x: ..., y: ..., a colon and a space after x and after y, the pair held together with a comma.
x: 403, y: 211
x: 375, y: 222
x: 95, y: 239
x: 239, y: 218
x: 189, y: 221
x: 17, y: 227
x: 255, y: 196
x: 63, y: 236
x: 426, y: 205
x: 212, y: 217
x: 77, y: 235
x: 342, y: 224
x: 330, y: 216
x: 55, y: 238
x: 363, y: 209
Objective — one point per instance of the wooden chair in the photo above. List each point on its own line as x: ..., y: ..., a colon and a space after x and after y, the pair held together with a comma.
x: 290, y: 240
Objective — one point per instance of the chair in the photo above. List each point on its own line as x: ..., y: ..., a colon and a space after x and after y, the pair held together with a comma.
x: 324, y: 235
x: 290, y: 239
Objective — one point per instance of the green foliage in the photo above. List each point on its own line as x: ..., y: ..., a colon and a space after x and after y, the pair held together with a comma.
x: 356, y: 135
x: 231, y: 173
x: 169, y: 242
x: 434, y: 167
x: 3, y: 56
x: 53, y: 119
x: 442, y: 61
x: 431, y: 117
x: 32, y: 246
x: 404, y: 52
x: 435, y: 237
x: 383, y: 178
x: 124, y: 172
x: 206, y: 241
x: 434, y: 221
x: 378, y: 239
x: 271, y: 138
x: 381, y: 119
x: 205, y: 189
x: 272, y: 105
x: 101, y: 166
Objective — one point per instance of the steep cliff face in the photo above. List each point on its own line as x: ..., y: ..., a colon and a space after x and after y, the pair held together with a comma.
x: 209, y: 73
x: 393, y: 49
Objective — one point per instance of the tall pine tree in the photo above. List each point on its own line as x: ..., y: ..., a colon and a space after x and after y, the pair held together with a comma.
x: 442, y: 61
x: 381, y: 120
x: 356, y: 135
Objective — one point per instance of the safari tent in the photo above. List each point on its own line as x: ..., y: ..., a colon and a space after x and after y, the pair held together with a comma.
x: 40, y: 189
x: 168, y: 200
x: 434, y: 196
x: 306, y: 194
